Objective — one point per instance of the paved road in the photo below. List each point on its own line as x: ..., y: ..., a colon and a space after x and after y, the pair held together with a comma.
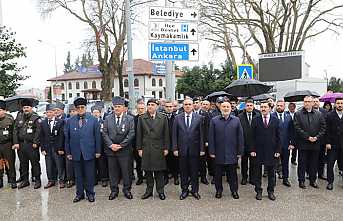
x: 291, y: 204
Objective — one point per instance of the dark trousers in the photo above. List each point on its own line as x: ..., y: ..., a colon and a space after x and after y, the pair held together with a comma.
x: 271, y: 178
x: 120, y: 167
x: 294, y: 155
x: 172, y: 165
x: 189, y: 169
x: 231, y: 171
x: 7, y: 154
x: 206, y: 163
x: 55, y: 167
x: 307, y: 160
x: 247, y: 164
x: 333, y: 155
x: 159, y: 179
x: 285, y: 162
x: 27, y: 154
x: 138, y: 161
x: 84, y: 177
x: 101, y: 168
x: 69, y: 170
x: 322, y: 159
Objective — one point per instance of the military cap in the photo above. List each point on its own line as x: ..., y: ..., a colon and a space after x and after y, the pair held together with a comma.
x: 80, y: 101
x: 118, y: 100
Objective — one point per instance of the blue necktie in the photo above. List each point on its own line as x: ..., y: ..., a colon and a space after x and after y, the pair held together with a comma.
x: 187, y: 121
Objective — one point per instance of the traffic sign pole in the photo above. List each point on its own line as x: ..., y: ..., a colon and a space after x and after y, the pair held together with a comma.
x: 170, y: 74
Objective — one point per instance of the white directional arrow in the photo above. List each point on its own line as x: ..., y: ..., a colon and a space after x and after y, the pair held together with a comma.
x: 193, y: 52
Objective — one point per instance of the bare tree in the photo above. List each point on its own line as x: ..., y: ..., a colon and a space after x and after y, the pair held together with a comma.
x: 106, y: 20
x: 269, y: 25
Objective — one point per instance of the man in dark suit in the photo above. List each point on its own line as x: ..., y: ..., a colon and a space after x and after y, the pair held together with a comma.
x: 52, y: 147
x: 118, y: 134
x: 152, y: 140
x: 287, y: 139
x: 140, y: 108
x: 188, y: 145
x: 70, y: 178
x: 334, y: 139
x: 266, y: 148
x: 291, y: 111
x: 83, y: 145
x: 309, y: 127
x: 246, y: 161
x: 172, y: 161
x: 226, y: 146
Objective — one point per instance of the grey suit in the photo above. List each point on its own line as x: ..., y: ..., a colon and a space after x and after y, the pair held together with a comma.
x: 119, y: 162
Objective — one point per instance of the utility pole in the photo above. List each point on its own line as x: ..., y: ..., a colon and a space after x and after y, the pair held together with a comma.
x: 129, y: 67
x: 170, y: 75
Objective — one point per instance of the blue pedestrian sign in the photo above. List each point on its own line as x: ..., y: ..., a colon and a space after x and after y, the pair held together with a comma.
x: 245, y: 71
x: 159, y: 51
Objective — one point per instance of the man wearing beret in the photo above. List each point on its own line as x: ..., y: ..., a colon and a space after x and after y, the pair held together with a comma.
x: 59, y: 111
x: 7, y: 155
x: 118, y: 134
x: 26, y: 136
x: 83, y: 145
x: 52, y: 147
x: 152, y: 142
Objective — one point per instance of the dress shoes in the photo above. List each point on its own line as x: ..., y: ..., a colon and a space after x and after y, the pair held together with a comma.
x: 49, y: 185
x: 62, y: 185
x: 146, y: 196
x: 302, y: 185
x: 128, y: 195
x: 196, y: 195
x: 259, y: 196
x: 184, y: 195
x: 104, y: 183
x: 70, y: 184
x: 91, y: 199
x: 322, y: 177
x: 162, y: 196
x: 218, y: 195
x: 139, y: 181
x: 235, y: 195
x: 23, y: 184
x: 286, y: 183
x: 204, y: 180
x: 113, y: 196
x: 37, y: 185
x: 314, y: 185
x: 14, y: 185
x: 329, y: 186
x: 271, y: 196
x: 78, y: 199
x: 244, y: 182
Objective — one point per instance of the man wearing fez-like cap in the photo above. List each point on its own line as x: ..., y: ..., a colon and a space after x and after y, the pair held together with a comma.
x: 52, y: 147
x: 26, y: 140
x: 7, y: 154
x: 153, y: 129
x: 101, y: 170
x: 83, y: 145
x: 59, y: 110
x: 118, y: 134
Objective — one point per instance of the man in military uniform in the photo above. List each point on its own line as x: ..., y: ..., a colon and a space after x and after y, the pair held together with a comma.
x: 59, y: 111
x: 52, y: 147
x: 26, y: 141
x: 7, y: 155
x: 118, y: 134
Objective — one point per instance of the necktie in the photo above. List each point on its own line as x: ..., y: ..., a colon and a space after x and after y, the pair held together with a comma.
x: 280, y: 116
x: 187, y: 121
x: 249, y: 118
x: 265, y: 121
x: 118, y: 121
x: 49, y: 123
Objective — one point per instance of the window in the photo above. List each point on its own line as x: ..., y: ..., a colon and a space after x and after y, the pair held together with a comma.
x: 160, y: 94
x: 70, y: 86
x: 126, y: 95
x: 153, y: 82
x: 63, y: 97
x: 70, y: 95
x: 77, y: 85
x: 153, y: 94
x: 126, y: 83
x: 136, y: 83
x: 85, y: 85
x: 62, y: 86
x: 160, y: 83
x: 77, y: 94
x: 93, y: 85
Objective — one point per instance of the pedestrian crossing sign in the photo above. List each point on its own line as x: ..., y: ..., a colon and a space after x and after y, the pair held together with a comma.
x: 245, y: 71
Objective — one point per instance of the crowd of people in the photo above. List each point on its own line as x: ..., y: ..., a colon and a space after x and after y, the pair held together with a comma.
x: 201, y: 141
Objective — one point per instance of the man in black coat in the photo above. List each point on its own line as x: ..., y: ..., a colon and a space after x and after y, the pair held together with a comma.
x: 334, y: 139
x: 52, y: 147
x: 246, y: 161
x: 118, y: 134
x: 266, y: 148
x: 140, y: 108
x: 309, y: 127
x: 188, y: 145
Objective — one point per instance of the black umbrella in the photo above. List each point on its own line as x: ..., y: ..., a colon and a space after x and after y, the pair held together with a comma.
x: 213, y: 96
x: 295, y: 96
x: 247, y: 88
x: 13, y: 103
x: 262, y: 97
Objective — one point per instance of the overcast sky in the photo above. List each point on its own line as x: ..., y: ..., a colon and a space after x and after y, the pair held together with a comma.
x: 65, y: 33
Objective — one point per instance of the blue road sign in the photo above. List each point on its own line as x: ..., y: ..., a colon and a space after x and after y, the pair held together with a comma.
x: 245, y: 71
x: 159, y: 51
